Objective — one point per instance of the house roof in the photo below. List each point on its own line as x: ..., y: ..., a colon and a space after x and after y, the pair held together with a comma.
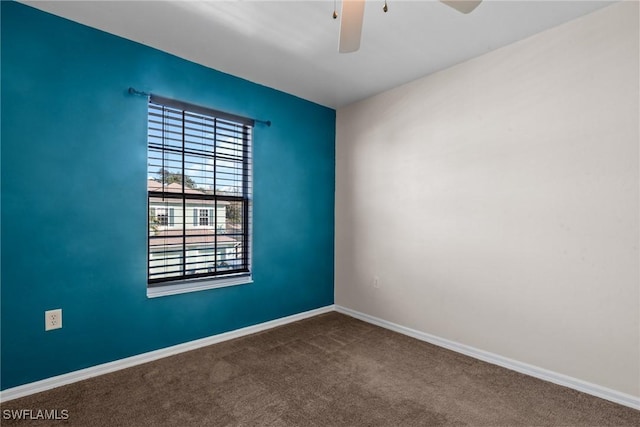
x: 174, y: 187
x: 193, y: 237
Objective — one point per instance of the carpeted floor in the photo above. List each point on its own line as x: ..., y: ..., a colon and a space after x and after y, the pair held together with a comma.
x: 330, y: 370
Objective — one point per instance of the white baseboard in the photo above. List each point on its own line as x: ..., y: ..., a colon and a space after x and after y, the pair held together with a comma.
x: 534, y: 371
x: 524, y: 368
x: 83, y: 374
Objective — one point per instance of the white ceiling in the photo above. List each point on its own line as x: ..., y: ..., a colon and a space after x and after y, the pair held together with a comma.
x: 293, y: 45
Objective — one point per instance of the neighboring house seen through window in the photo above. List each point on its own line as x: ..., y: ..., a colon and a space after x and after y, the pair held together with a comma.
x: 199, y: 193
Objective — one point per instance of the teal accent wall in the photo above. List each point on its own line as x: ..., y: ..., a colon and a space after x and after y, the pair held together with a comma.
x: 73, y: 181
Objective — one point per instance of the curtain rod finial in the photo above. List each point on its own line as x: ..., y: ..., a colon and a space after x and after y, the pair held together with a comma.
x: 134, y: 91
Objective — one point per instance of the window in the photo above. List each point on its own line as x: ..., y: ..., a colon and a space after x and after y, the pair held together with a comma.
x: 204, y: 217
x: 162, y: 216
x: 163, y: 219
x: 199, y: 194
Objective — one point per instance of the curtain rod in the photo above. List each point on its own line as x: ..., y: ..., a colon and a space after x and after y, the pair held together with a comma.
x: 134, y: 91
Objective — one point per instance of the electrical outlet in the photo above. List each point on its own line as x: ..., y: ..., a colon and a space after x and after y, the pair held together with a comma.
x: 53, y: 319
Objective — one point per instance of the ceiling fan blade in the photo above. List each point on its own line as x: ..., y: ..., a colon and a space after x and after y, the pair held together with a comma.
x: 351, y: 25
x: 464, y: 6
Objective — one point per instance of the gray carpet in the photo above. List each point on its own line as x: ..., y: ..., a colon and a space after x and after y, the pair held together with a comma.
x: 330, y: 370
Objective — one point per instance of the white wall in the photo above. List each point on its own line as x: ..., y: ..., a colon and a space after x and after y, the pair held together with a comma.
x: 498, y: 202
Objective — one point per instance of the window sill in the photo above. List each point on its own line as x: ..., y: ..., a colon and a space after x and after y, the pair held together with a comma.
x: 186, y: 286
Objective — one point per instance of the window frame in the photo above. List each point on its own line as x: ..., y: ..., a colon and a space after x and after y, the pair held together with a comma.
x: 216, y: 279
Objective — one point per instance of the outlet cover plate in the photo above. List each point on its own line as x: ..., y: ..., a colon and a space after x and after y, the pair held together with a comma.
x: 53, y: 319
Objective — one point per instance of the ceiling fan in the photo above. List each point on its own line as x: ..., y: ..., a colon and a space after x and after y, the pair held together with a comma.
x: 353, y: 13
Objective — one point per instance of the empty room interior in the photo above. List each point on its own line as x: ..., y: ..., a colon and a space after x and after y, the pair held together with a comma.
x: 342, y: 212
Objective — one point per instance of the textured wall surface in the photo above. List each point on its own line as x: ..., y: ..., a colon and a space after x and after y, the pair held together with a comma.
x: 74, y: 179
x: 497, y: 202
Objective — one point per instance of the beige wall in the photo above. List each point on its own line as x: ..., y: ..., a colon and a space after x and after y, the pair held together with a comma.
x: 498, y: 202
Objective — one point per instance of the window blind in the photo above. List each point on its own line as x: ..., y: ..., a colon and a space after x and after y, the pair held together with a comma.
x: 199, y: 178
